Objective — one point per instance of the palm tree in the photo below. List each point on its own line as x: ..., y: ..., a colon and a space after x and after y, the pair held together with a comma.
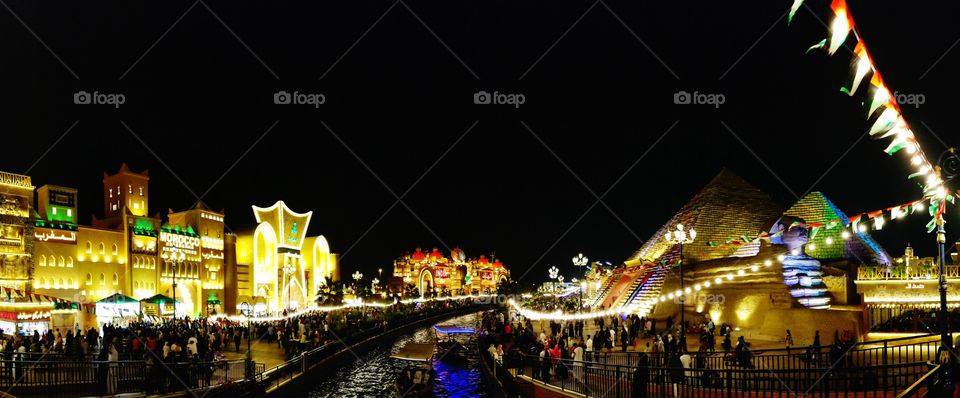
x: 330, y: 293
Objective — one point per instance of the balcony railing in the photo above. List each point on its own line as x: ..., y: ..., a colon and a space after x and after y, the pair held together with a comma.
x: 904, y: 273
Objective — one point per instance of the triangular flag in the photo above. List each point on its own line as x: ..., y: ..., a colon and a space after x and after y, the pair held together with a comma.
x: 840, y: 27
x: 793, y: 10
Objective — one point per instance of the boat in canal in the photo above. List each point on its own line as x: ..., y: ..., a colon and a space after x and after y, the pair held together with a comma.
x: 449, y: 345
x: 416, y: 377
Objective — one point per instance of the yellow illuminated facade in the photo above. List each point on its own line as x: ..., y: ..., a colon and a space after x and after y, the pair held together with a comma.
x: 456, y: 274
x: 277, y: 266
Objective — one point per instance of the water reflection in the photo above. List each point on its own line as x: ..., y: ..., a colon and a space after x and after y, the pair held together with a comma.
x: 372, y: 373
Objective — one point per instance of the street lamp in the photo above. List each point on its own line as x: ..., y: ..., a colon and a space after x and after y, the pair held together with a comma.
x: 553, y: 272
x: 248, y: 361
x: 374, y: 283
x: 680, y: 237
x: 288, y: 269
x: 580, y: 261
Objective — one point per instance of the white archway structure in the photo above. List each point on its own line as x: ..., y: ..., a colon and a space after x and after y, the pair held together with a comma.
x: 424, y: 274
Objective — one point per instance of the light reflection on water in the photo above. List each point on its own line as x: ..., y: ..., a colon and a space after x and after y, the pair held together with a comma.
x: 373, y: 373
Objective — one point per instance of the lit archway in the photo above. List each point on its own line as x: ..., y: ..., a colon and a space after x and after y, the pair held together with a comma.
x: 423, y: 283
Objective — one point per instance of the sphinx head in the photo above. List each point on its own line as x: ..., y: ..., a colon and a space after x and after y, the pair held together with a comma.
x: 789, y: 231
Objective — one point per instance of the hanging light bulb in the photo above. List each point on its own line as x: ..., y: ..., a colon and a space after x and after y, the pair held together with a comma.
x: 811, y: 246
x: 862, y: 228
x: 919, y: 206
x: 718, y: 281
x: 781, y: 257
x: 754, y: 268
x: 845, y: 234
x: 740, y: 272
x: 706, y: 284
x: 767, y: 263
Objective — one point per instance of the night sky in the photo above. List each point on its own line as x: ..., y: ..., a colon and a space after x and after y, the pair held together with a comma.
x: 399, y: 79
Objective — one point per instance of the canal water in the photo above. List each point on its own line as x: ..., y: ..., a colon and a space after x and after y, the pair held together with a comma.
x: 373, y: 373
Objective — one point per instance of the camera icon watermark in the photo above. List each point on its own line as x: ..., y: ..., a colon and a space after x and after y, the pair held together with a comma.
x: 698, y: 98
x: 297, y: 98
x: 700, y: 299
x: 498, y: 98
x: 97, y: 98
x: 910, y: 99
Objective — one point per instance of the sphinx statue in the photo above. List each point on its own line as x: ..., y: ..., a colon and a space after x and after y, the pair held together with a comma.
x: 801, y: 272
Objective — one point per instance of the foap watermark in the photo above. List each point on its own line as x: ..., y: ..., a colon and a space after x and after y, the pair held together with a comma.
x: 701, y: 299
x: 909, y: 99
x: 97, y: 98
x: 498, y: 98
x: 297, y: 98
x: 698, y: 98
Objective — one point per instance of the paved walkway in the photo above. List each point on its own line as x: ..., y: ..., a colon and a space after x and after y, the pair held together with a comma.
x: 263, y: 351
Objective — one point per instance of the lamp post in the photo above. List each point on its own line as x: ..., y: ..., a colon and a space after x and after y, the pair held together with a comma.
x: 374, y: 283
x: 580, y: 261
x: 288, y: 269
x: 680, y: 237
x: 248, y: 368
x: 357, y: 276
x: 553, y: 272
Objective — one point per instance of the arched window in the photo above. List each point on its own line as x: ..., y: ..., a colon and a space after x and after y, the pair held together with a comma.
x: 63, y: 285
x: 153, y: 263
x: 69, y: 283
x: 40, y: 283
x: 70, y: 261
x: 114, y: 249
x: 56, y: 284
x: 103, y: 279
x: 42, y: 261
x: 89, y: 247
x: 101, y: 248
x: 89, y: 279
x: 61, y: 262
x: 151, y: 286
x: 116, y: 279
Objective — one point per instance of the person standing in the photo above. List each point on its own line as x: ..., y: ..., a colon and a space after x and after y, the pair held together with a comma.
x: 578, y: 362
x: 788, y: 339
x: 588, y: 348
x: 114, y: 372
x: 641, y: 377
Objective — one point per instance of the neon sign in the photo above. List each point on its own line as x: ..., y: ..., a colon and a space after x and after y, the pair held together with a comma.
x: 176, y: 243
x: 45, y: 235
x: 35, y: 315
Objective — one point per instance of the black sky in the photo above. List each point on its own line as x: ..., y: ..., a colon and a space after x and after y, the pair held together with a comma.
x: 599, y: 99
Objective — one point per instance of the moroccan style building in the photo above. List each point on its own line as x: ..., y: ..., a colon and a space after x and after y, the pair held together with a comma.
x: 434, y: 272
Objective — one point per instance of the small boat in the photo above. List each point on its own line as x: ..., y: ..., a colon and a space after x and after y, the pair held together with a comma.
x: 447, y: 343
x: 416, y: 377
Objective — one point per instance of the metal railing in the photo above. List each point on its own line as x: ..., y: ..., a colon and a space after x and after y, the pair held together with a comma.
x: 595, y: 380
x: 925, y: 384
x: 906, y: 349
x: 60, y: 378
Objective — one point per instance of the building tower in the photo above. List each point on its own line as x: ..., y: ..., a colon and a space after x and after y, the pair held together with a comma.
x: 125, y: 189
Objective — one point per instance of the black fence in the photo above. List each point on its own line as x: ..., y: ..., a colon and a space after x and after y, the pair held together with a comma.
x: 864, y: 354
x: 598, y: 380
x: 61, y: 378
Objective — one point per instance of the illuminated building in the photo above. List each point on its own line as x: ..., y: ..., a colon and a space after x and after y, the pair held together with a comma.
x: 278, y: 267
x: 786, y: 279
x: 434, y: 272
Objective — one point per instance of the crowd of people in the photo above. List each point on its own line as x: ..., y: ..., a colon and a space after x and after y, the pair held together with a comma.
x: 185, y: 353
